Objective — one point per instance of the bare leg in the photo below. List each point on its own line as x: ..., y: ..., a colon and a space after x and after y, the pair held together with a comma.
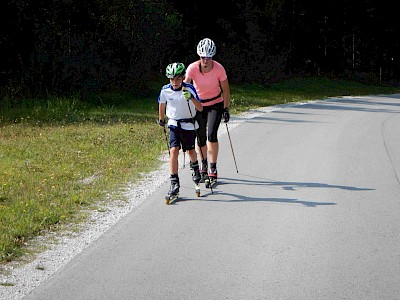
x: 203, y: 154
x: 173, y: 160
x: 192, y: 155
x: 213, y: 149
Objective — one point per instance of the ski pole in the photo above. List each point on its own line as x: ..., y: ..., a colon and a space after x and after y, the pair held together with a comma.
x: 197, y: 136
x: 230, y: 141
x: 166, y: 139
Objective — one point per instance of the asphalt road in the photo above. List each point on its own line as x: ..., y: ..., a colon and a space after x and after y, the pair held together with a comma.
x: 314, y: 213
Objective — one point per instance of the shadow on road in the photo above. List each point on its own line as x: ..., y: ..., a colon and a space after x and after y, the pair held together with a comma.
x: 288, y: 185
x: 259, y: 181
x: 353, y: 104
x: 242, y: 198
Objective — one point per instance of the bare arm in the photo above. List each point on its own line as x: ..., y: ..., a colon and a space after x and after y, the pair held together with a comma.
x: 197, y: 104
x: 188, y: 79
x: 226, y: 93
x: 161, y: 111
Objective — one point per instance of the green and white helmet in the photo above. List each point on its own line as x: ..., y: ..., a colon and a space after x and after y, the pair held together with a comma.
x: 174, y: 70
x: 206, y: 48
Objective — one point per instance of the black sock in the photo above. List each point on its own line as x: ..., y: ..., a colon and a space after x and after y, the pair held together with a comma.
x: 204, y: 164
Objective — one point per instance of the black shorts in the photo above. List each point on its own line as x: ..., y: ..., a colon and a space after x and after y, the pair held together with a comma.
x: 209, y: 120
x: 184, y: 139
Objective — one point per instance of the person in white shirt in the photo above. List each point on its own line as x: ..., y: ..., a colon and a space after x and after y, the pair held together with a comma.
x: 178, y: 101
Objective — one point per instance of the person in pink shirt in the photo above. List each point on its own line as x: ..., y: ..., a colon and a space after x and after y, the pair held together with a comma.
x: 211, y: 83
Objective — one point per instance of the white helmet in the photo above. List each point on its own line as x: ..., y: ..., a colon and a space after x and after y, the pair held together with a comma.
x: 206, y: 48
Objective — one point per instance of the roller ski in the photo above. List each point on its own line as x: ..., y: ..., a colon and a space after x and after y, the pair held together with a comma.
x: 173, y: 193
x: 212, y: 177
x: 210, y: 181
x: 196, y: 177
x: 203, y: 171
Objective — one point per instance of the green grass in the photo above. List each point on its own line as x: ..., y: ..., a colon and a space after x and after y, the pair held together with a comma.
x: 60, y: 157
x: 57, y: 161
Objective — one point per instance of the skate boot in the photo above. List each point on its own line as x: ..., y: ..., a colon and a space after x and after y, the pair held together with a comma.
x: 203, y: 170
x: 212, y: 175
x: 196, y: 176
x: 195, y: 172
x: 173, y: 191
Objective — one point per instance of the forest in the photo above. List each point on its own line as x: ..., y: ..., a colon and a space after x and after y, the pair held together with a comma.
x: 70, y: 47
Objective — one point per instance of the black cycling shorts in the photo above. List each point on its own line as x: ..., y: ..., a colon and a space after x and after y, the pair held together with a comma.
x: 209, y: 120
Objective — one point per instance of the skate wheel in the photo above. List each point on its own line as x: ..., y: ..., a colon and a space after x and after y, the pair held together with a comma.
x: 170, y: 199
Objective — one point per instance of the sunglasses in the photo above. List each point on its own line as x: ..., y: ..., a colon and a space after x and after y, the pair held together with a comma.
x: 205, y: 57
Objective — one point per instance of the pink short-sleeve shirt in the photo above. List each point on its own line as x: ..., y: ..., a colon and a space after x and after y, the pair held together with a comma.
x: 207, y: 84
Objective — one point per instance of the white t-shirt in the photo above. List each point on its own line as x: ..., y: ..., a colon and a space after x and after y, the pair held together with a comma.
x: 177, y: 105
